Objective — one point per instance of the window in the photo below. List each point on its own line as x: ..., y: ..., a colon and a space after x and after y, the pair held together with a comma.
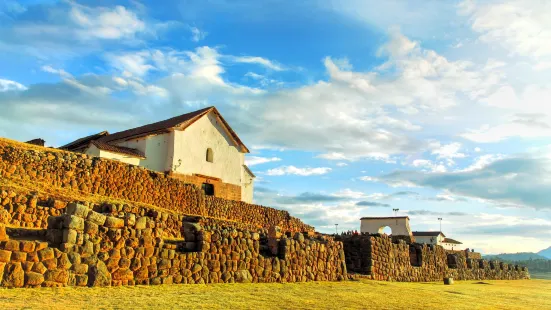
x: 209, y: 155
x: 208, y: 189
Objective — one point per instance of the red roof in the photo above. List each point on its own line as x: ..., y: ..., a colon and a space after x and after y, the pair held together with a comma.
x: 428, y: 233
x: 118, y: 149
x: 83, y: 142
x: 180, y: 122
x: 450, y: 240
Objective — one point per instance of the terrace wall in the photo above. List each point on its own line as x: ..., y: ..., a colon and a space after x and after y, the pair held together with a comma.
x: 379, y: 258
x: 51, y: 168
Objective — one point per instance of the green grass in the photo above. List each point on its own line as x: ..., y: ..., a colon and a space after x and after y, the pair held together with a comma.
x: 543, y: 275
x: 525, y: 294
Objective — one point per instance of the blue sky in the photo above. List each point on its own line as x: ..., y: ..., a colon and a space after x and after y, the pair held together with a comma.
x: 438, y: 108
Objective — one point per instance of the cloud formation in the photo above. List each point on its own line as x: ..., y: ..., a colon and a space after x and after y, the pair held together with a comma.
x: 292, y: 170
x: 521, y: 181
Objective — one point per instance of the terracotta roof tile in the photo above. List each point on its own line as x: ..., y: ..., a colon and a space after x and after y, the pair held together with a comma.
x: 118, y: 149
x: 83, y: 141
x: 428, y: 233
x: 183, y: 121
x: 450, y: 240
x: 249, y: 171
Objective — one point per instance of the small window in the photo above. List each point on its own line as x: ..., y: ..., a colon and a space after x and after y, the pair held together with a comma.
x: 209, y: 155
x: 208, y: 189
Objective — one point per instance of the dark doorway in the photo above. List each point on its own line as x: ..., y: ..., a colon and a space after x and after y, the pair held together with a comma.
x: 415, y: 256
x: 452, y: 261
x: 208, y: 189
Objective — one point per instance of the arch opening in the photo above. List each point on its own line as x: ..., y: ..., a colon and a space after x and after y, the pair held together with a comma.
x: 385, y: 230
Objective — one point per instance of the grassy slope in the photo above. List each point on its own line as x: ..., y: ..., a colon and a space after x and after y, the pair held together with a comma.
x: 525, y: 294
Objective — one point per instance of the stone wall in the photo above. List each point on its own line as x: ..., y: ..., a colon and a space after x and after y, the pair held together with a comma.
x: 379, y: 258
x: 102, y: 245
x: 221, y: 189
x: 51, y: 168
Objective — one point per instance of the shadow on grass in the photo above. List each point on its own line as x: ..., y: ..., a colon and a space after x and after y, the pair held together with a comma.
x: 486, y: 283
x: 456, y: 293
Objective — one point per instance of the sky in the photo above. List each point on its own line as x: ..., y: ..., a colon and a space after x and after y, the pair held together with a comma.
x: 436, y: 108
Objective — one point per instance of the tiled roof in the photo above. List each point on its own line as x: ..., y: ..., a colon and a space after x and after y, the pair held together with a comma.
x: 118, y: 149
x: 180, y: 122
x: 83, y: 141
x: 249, y: 171
x: 450, y: 240
x: 428, y: 233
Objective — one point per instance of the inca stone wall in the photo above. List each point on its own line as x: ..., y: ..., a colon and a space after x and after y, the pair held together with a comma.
x: 102, y: 245
x: 108, y: 178
x: 378, y: 257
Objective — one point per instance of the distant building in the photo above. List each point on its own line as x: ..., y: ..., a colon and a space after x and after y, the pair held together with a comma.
x: 39, y: 142
x: 198, y: 147
x: 437, y: 238
x: 399, y: 225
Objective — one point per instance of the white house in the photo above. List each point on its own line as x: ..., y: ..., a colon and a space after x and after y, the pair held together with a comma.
x: 436, y: 238
x: 198, y: 147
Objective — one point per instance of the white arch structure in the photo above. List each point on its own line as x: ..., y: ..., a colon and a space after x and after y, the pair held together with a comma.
x: 375, y: 225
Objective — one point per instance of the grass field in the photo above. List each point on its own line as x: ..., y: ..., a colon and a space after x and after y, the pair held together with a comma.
x: 526, y: 294
x: 545, y: 276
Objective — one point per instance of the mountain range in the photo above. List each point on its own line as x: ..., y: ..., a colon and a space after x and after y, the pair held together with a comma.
x: 543, y: 254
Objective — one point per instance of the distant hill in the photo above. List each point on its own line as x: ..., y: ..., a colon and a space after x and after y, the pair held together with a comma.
x: 546, y: 253
x: 515, y: 257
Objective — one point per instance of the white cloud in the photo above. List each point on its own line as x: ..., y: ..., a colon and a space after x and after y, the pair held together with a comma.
x: 7, y: 85
x: 522, y: 180
x: 257, y: 60
x: 341, y: 164
x: 483, y: 161
x: 520, y: 26
x: 105, y: 23
x: 197, y: 34
x: 448, y: 152
x: 257, y: 160
x: 62, y: 73
x: 292, y: 170
x: 427, y: 164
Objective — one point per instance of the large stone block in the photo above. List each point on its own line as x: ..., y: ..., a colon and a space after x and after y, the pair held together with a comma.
x: 96, y: 218
x: 141, y: 222
x: 73, y: 222
x: 46, y: 254
x: 5, y: 256
x: 33, y: 278
x: 11, y: 245
x: 77, y: 210
x: 114, y: 222
x: 57, y: 275
x: 14, y: 276
x: 99, y: 275
x: 70, y: 236
x: 3, y: 235
x: 17, y: 256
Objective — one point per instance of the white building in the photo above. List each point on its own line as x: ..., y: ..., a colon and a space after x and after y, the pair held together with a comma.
x: 399, y: 225
x: 437, y: 238
x: 198, y: 147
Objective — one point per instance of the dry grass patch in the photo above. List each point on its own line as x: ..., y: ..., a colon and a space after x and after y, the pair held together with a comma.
x: 524, y: 294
